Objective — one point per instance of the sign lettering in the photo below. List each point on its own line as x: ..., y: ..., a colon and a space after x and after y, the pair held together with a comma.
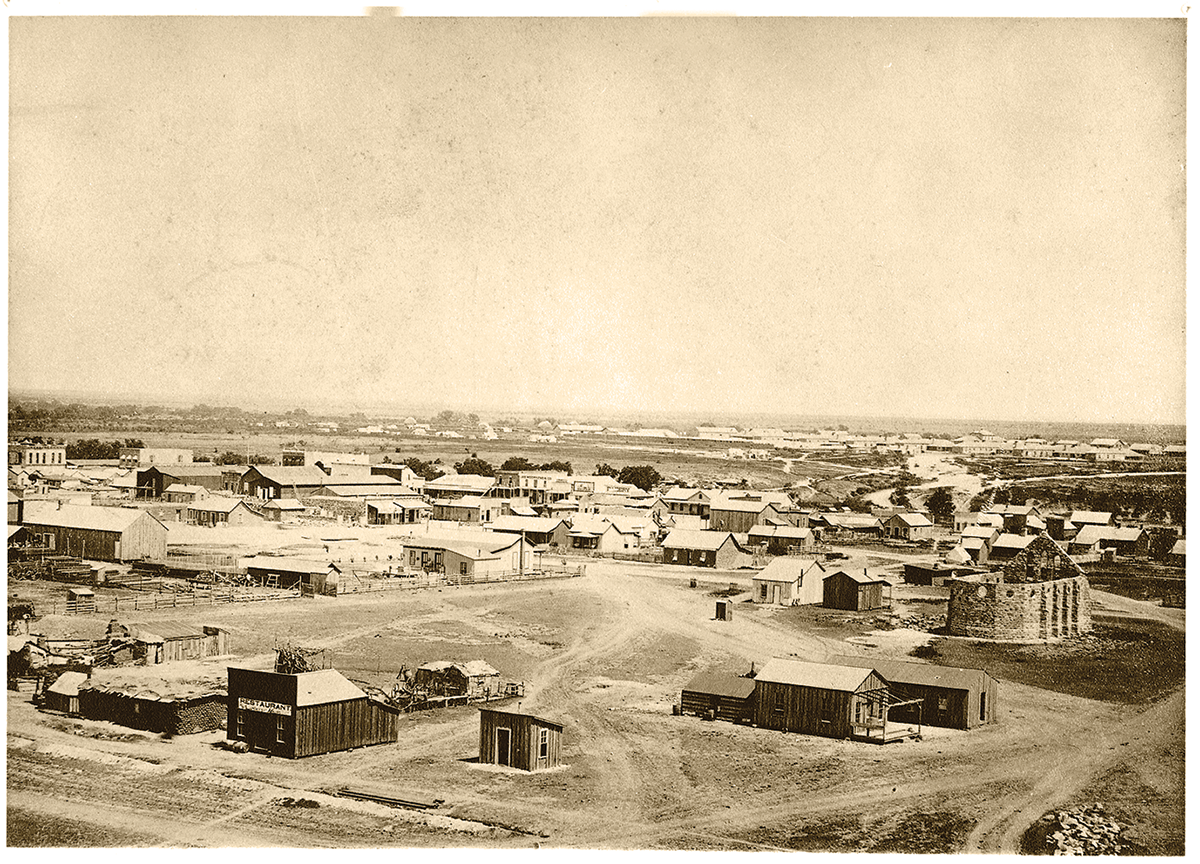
x: 264, y: 707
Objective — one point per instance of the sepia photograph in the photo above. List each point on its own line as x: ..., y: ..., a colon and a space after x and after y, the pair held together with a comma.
x: 667, y: 429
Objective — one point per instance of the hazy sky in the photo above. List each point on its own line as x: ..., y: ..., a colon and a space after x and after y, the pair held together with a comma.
x: 938, y: 218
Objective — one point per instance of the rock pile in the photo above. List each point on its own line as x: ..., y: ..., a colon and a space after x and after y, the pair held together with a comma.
x: 1086, y: 830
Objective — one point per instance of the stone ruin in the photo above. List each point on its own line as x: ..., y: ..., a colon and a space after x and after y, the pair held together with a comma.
x: 1039, y: 595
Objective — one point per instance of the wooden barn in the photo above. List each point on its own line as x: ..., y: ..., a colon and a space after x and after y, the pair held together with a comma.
x: 519, y: 740
x: 154, y: 481
x: 821, y: 699
x: 96, y: 533
x: 719, y: 696
x: 63, y: 694
x: 789, y: 581
x: 950, y: 697
x: 270, y: 482
x: 537, y: 530
x: 705, y: 549
x: 305, y: 714
x: 858, y: 592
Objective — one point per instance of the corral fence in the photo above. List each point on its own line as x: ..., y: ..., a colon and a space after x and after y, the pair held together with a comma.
x: 367, y: 582
x: 153, y: 602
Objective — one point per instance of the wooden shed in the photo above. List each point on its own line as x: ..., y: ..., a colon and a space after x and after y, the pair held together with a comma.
x: 719, y: 696
x: 63, y: 694
x: 950, y: 697
x: 305, y: 714
x: 857, y: 592
x: 819, y: 698
x: 172, y: 641
x: 519, y: 740
x: 474, y: 679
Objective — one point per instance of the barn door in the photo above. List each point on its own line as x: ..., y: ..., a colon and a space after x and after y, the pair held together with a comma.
x: 503, y: 746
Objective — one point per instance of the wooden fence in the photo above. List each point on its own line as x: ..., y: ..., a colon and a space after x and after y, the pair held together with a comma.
x: 169, y: 600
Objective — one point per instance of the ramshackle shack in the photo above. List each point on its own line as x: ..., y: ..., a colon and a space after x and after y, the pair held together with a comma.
x: 305, y: 714
x: 719, y: 696
x: 519, y: 740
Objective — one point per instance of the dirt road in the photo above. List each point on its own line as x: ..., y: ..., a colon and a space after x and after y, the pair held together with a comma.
x: 606, y: 655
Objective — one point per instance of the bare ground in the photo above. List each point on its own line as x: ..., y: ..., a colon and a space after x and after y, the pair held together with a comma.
x: 606, y: 655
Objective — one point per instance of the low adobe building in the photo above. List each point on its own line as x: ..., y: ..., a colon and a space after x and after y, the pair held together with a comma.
x: 1039, y: 595
x: 519, y: 740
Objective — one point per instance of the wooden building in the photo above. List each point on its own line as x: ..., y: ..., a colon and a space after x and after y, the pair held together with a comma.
x: 908, y: 526
x: 537, y: 530
x: 269, y: 482
x: 63, y: 694
x: 305, y: 714
x: 154, y: 481
x: 789, y: 581
x: 474, y: 679
x: 97, y: 533
x: 283, y: 510
x: 858, y: 592
x: 740, y: 513
x: 950, y: 697
x: 216, y: 510
x: 398, y: 511
x: 781, y: 539
x: 705, y: 549
x: 171, y: 641
x: 312, y: 577
x: 819, y: 698
x: 469, y: 557
x: 719, y: 696
x: 519, y: 740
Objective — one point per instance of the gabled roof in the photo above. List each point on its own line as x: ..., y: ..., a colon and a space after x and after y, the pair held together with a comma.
x: 168, y: 629
x: 684, y: 493
x: 276, y: 564
x: 291, y: 475
x: 217, y: 504
x: 913, y: 520
x: 789, y: 568
x: 681, y: 538
x: 1180, y: 547
x: 919, y: 674
x: 399, y: 505
x: 1090, y: 535
x: 454, y: 482
x: 861, y: 578
x: 780, y: 532
x: 283, y: 504
x: 537, y: 524
x: 324, y: 686
x: 823, y: 676
x: 1090, y: 517
x: 114, y: 519
x: 67, y: 684
x: 987, y: 532
x: 1012, y: 541
x: 185, y: 488
x: 476, y: 547
x: 196, y: 469
x: 511, y: 713
x: 851, y: 520
x: 721, y: 684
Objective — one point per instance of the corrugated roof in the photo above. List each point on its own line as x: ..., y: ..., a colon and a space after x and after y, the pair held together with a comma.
x: 823, y: 676
x: 721, y: 684
x: 324, y: 686
x: 918, y: 674
x: 114, y: 519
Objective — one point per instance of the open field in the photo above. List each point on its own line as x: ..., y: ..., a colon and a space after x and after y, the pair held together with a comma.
x: 605, y: 654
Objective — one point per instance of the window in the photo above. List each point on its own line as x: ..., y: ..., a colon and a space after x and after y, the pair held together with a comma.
x: 780, y: 703
x: 240, y: 725
x: 943, y: 703
x: 762, y: 591
x: 279, y: 730
x: 462, y: 568
x: 983, y: 706
x: 543, y: 743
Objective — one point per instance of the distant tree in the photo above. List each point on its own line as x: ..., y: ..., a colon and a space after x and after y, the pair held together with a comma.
x: 259, y: 459
x: 644, y: 477
x: 517, y: 463
x: 475, y: 466
x: 557, y: 465
x: 899, y: 497
x: 606, y: 470
x: 1001, y: 496
x: 230, y: 458
x: 203, y: 458
x: 941, y: 505
x: 423, y: 469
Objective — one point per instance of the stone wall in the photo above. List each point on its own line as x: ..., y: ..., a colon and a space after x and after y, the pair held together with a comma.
x: 1041, y: 594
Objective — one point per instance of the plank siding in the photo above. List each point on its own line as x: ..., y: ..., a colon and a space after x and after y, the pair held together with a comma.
x: 525, y: 741
x: 727, y: 707
x: 811, y: 710
x: 343, y: 726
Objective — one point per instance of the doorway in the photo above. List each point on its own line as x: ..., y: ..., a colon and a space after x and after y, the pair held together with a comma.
x: 504, y: 746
